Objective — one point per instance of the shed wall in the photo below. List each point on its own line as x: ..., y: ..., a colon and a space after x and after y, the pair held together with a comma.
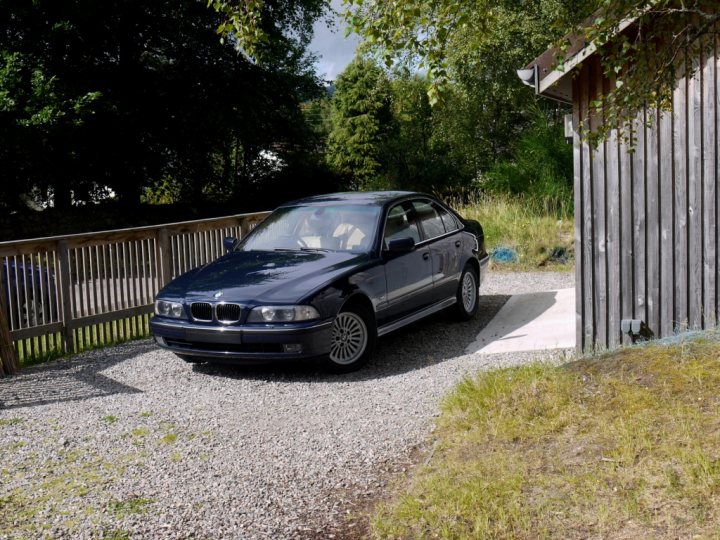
x: 646, y: 235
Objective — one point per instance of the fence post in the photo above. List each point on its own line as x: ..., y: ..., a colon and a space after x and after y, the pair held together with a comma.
x: 164, y: 257
x: 66, y: 288
x: 8, y: 356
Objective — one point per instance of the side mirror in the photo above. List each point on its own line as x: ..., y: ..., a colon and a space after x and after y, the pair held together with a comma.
x: 229, y: 242
x: 400, y: 245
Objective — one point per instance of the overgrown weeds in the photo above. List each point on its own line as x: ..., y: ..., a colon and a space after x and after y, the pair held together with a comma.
x: 625, y: 445
x: 536, y: 236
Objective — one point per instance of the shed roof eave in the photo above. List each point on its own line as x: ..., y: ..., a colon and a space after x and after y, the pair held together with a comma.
x: 546, y: 84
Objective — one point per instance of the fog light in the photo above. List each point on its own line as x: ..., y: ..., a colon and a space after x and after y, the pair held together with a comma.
x: 292, y: 348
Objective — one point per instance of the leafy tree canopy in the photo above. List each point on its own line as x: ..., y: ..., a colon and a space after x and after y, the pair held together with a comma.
x: 645, y: 61
x: 131, y: 95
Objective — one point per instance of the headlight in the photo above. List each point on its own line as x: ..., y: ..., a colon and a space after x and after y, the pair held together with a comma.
x: 280, y: 314
x: 165, y: 308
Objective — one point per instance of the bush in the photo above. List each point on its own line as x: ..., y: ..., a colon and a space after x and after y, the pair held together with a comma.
x: 541, y: 169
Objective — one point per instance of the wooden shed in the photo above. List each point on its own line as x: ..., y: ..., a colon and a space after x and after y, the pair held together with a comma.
x: 646, y: 235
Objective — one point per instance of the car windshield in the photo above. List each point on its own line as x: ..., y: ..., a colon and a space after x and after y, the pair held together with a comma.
x: 333, y: 228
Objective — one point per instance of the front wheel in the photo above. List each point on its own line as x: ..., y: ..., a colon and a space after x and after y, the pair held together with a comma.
x: 352, y: 340
x: 468, y: 294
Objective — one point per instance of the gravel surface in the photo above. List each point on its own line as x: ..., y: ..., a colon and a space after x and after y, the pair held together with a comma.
x: 131, y: 442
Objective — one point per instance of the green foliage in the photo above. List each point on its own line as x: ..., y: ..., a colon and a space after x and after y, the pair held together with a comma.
x: 540, y: 169
x: 143, y: 98
x: 515, y: 222
x: 362, y: 123
x: 667, y: 39
x: 589, y: 449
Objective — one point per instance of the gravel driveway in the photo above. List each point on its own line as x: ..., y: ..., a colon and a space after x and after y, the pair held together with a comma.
x: 131, y: 442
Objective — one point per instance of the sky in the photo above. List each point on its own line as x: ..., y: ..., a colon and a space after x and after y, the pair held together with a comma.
x: 333, y: 49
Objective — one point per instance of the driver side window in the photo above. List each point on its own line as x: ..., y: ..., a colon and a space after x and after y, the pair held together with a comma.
x: 399, y: 224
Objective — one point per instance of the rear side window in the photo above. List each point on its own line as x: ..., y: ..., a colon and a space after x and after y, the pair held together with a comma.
x: 448, y: 220
x: 400, y: 225
x: 429, y: 218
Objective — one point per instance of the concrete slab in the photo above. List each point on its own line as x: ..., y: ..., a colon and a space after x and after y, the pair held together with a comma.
x: 530, y: 322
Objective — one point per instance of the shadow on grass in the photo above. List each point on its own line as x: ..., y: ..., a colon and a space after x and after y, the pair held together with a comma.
x: 71, y: 379
x: 431, y: 341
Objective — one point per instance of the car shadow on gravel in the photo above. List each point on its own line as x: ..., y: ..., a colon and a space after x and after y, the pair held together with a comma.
x: 430, y: 341
x: 72, y: 379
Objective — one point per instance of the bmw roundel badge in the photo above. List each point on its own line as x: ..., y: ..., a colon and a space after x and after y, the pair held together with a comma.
x: 218, y: 294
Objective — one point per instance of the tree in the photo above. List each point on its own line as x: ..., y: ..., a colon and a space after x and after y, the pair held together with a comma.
x: 126, y: 95
x: 362, y: 121
x: 645, y: 61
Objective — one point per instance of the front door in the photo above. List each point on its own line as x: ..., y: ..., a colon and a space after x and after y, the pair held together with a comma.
x: 408, y: 274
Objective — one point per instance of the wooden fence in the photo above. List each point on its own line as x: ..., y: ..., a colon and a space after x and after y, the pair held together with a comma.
x: 65, y: 294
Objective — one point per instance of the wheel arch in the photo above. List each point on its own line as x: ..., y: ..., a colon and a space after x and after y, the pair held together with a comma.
x: 360, y: 299
x: 475, y: 265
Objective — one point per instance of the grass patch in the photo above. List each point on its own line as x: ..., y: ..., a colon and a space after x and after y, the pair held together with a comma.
x: 127, y: 507
x: 47, y: 492
x: 626, y: 445
x: 170, y: 438
x: 110, y: 419
x: 10, y: 421
x: 511, y: 222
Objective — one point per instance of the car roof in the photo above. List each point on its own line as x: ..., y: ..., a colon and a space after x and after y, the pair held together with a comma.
x: 379, y: 198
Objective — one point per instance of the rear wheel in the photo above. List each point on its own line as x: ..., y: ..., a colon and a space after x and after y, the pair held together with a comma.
x: 468, y: 294
x: 352, y: 340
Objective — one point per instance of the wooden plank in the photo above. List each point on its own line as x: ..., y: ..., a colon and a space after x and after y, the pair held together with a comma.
x: 36, y: 331
x: 9, y: 363
x: 652, y: 220
x: 578, y: 205
x: 709, y: 191
x: 695, y: 201
x: 112, y: 316
x: 626, y: 283
x: 681, y: 206
x: 667, y: 214
x: 599, y: 195
x: 716, y: 177
x: 66, y: 299
x: 612, y: 176
x: 588, y: 281
x: 18, y: 247
x: 639, y: 225
x: 163, y: 257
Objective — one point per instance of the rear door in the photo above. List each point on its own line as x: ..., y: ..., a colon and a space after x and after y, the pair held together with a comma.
x: 441, y: 232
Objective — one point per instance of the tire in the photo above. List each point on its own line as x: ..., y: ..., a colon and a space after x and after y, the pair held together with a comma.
x: 352, y: 340
x: 191, y: 359
x: 468, y: 294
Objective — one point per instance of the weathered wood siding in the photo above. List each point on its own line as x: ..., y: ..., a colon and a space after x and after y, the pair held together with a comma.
x: 646, y: 239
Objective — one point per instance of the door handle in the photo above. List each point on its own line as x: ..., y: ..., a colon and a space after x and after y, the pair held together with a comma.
x: 426, y: 256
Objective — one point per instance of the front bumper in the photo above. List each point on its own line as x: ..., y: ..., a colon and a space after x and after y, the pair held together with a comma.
x: 242, y: 344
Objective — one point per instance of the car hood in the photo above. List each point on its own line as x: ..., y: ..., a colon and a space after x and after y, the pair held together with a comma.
x: 257, y: 277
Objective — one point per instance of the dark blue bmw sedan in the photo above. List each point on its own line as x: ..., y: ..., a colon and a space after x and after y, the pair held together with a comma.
x: 324, y: 277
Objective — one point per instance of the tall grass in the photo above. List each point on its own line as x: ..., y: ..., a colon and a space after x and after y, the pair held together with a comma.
x: 511, y: 221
